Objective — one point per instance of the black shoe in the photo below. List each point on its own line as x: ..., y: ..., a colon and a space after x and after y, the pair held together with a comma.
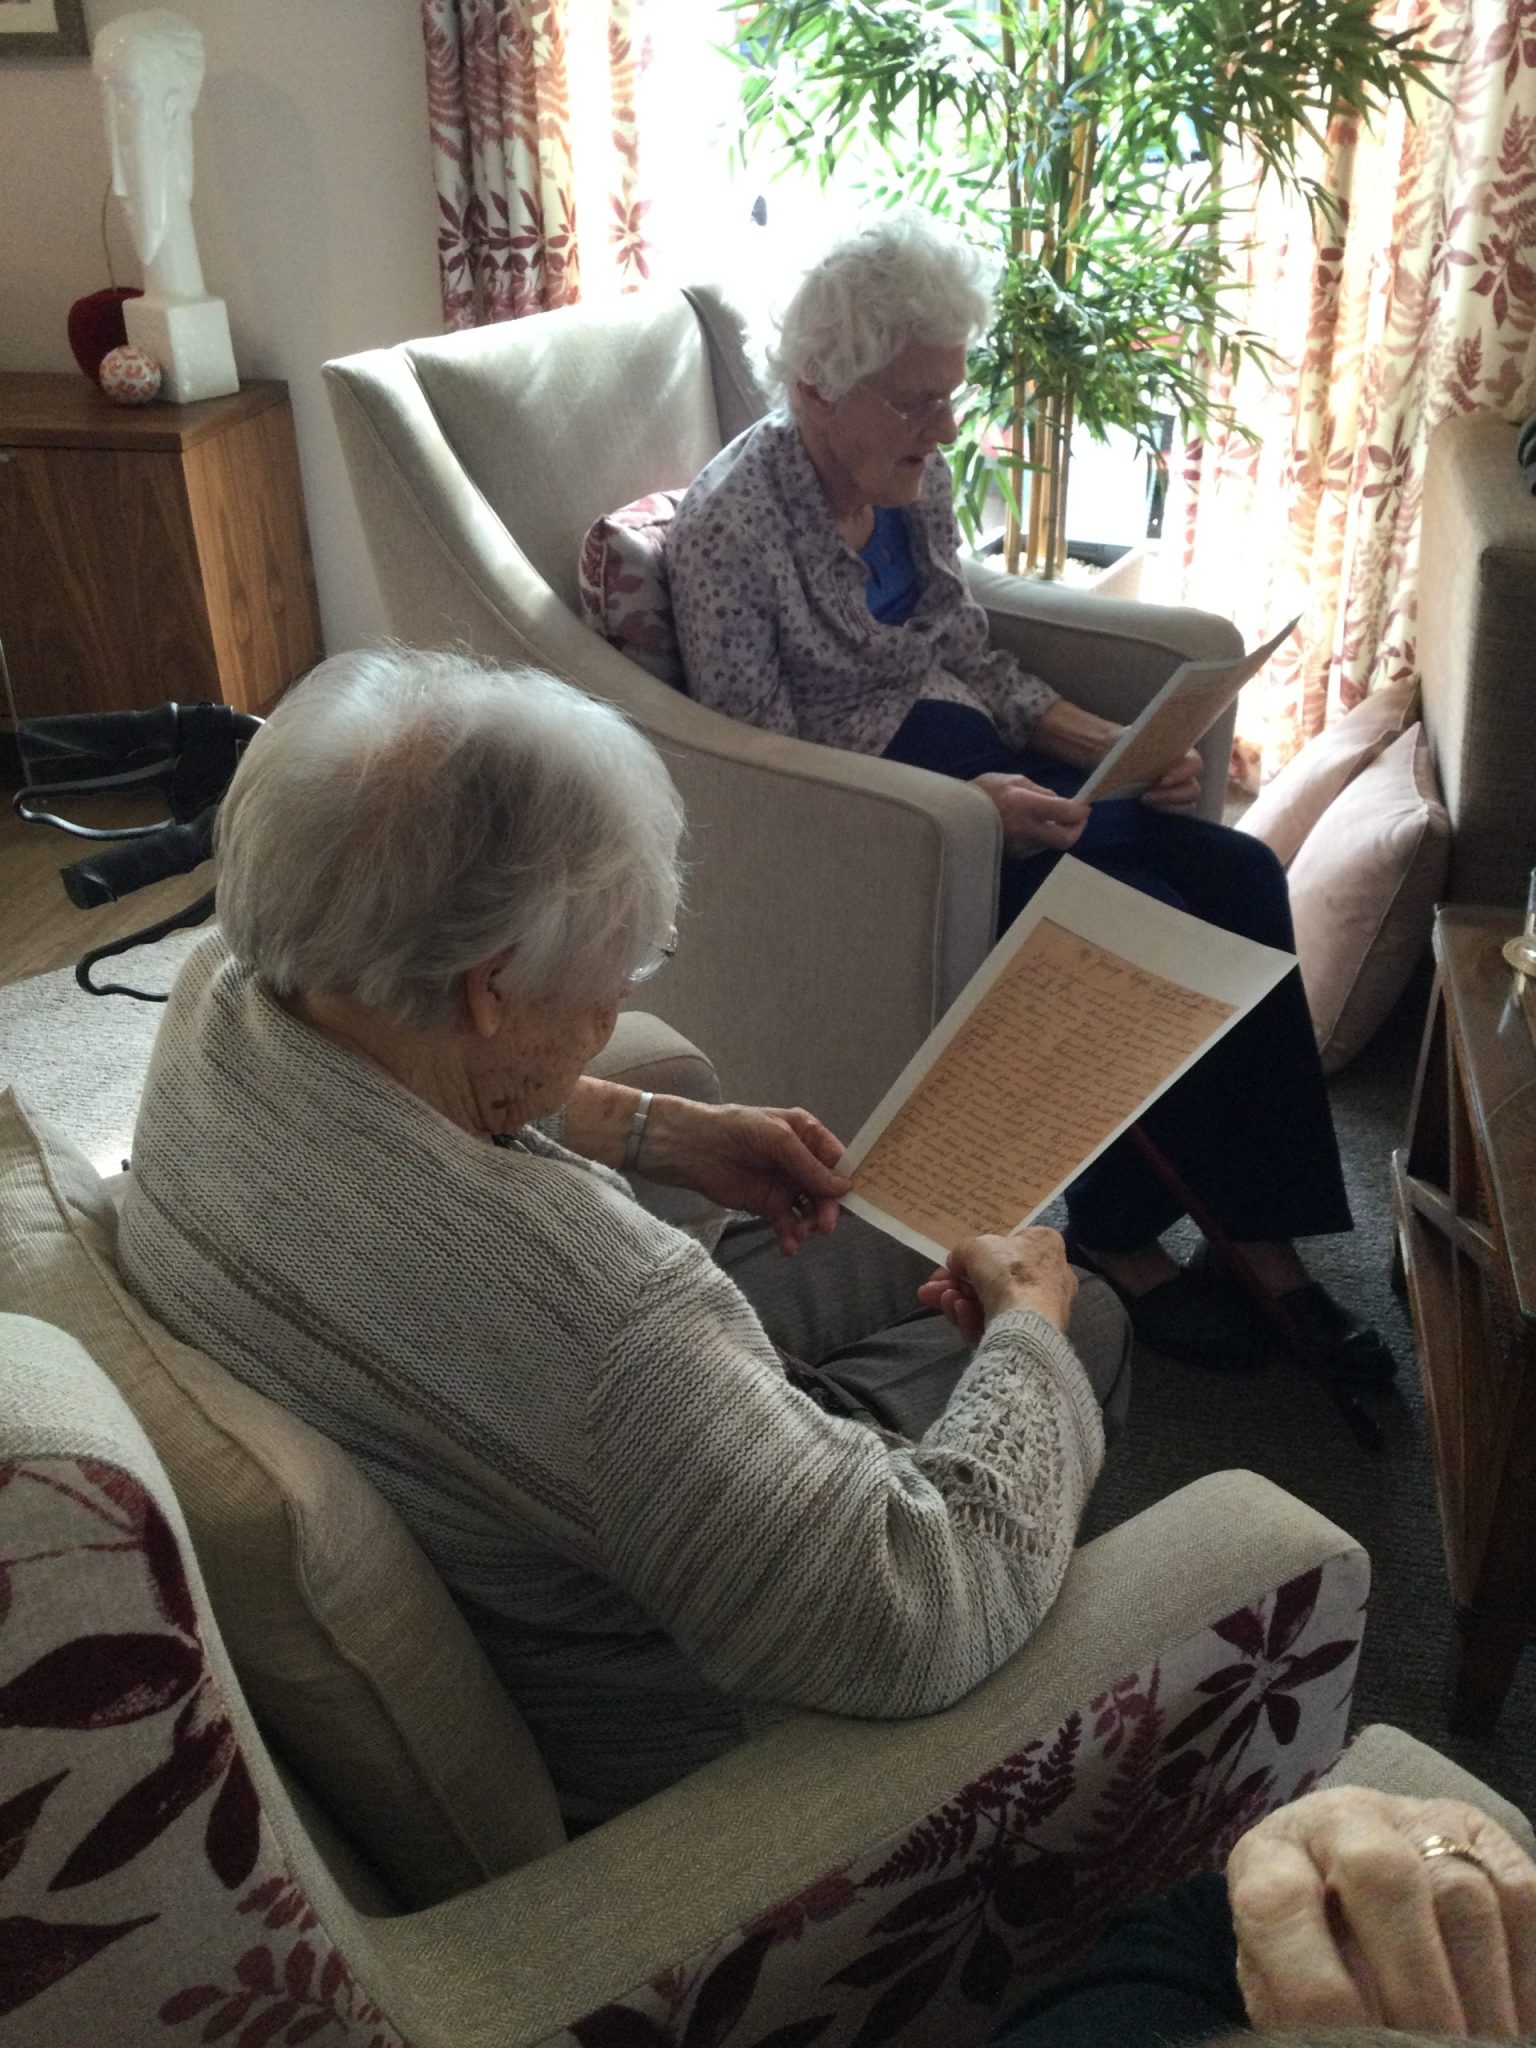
x: 1354, y: 1352
x: 1357, y: 1355
x: 1188, y: 1319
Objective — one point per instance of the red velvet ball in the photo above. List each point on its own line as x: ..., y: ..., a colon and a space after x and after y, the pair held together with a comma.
x: 96, y: 325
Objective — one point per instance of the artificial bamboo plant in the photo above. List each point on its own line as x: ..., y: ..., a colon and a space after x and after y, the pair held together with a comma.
x: 1086, y: 144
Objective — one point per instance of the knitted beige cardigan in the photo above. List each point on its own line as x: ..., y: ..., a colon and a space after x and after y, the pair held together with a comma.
x: 660, y: 1542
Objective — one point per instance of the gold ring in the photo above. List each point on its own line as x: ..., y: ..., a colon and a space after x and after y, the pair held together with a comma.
x: 1442, y: 1845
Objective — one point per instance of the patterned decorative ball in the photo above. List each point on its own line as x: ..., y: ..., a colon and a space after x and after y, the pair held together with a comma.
x: 130, y: 376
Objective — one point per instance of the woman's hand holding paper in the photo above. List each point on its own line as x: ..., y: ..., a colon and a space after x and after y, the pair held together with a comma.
x: 1179, y: 789
x: 985, y: 1276
x: 1034, y: 819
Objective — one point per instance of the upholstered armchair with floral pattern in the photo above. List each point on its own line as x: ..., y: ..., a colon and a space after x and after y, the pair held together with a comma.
x: 832, y: 1882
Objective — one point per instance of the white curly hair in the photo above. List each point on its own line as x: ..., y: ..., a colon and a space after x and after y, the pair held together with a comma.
x: 897, y: 278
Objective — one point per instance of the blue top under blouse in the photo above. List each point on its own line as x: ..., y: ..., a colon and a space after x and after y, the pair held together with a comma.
x: 887, y: 554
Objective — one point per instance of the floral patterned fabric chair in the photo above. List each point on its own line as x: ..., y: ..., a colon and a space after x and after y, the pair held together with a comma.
x: 830, y: 1882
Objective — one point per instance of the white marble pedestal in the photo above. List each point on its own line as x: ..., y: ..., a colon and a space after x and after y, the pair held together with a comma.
x: 189, y: 339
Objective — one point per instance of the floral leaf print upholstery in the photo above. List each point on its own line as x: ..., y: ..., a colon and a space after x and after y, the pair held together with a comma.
x: 1016, y: 1873
x: 137, y: 1876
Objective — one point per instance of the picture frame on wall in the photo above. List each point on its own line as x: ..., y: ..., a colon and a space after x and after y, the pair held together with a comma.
x: 43, y: 28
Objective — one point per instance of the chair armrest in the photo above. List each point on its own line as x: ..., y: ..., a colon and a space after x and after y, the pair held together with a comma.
x: 836, y: 904
x: 960, y: 1854
x: 1387, y: 1760
x: 645, y: 1053
x: 1109, y: 654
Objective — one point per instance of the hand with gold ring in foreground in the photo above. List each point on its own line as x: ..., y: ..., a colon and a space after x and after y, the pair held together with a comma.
x: 1352, y: 1906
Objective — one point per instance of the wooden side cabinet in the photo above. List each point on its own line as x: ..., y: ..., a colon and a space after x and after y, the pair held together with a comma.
x: 1466, y: 1225
x: 150, y: 553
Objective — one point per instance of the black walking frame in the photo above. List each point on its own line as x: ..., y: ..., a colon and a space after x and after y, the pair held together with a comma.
x: 186, y: 753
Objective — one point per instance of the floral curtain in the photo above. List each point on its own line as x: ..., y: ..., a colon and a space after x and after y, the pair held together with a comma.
x: 1419, y: 302
x: 533, y: 127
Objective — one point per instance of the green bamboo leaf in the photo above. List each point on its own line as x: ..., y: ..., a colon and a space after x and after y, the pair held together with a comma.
x: 1142, y: 288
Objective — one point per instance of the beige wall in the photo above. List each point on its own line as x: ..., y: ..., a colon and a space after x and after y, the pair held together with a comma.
x: 316, y: 219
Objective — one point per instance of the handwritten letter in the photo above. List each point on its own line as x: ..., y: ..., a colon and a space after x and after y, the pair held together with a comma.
x: 1069, y: 1044
x: 1097, y: 1000
x: 1182, y: 712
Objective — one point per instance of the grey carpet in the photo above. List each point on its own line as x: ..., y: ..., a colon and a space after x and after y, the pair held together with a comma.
x: 79, y: 1059
x: 1183, y: 1423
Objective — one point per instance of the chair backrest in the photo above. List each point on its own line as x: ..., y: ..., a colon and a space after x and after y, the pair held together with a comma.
x: 560, y: 417
x: 155, y: 1883
x: 1476, y: 625
x: 362, y: 1670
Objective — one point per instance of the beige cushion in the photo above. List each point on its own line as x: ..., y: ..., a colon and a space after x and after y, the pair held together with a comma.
x: 1286, y: 810
x: 1363, y: 893
x: 1476, y: 627
x: 354, y: 1658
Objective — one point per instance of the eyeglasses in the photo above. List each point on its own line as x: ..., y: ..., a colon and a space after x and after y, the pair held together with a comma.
x: 923, y: 415
x: 661, y: 951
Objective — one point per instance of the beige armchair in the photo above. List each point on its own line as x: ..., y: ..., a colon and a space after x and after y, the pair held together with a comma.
x: 836, y: 904
x: 166, y: 1875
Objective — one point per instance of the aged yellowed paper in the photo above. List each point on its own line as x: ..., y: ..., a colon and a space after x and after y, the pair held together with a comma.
x: 1096, y: 1000
x: 1182, y: 712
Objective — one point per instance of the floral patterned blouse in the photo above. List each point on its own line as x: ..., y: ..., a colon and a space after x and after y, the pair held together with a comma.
x: 773, y: 617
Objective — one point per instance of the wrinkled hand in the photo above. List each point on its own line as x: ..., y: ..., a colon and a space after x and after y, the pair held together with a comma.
x: 775, y: 1162
x: 986, y: 1275
x: 1034, y: 819
x: 1179, y: 789
x: 1340, y: 1921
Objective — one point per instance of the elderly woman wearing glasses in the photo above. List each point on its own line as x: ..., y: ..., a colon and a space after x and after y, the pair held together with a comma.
x: 370, y: 1177
x: 818, y: 592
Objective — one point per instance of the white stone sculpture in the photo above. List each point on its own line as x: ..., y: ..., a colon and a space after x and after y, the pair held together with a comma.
x: 150, y: 68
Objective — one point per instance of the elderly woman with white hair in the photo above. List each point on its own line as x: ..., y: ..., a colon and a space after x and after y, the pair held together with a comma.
x: 370, y: 1177
x: 817, y: 590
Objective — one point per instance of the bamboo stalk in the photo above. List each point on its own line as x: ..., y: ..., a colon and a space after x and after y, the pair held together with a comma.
x: 1063, y: 469
x: 1079, y: 180
x: 1015, y: 437
x: 1039, y: 481
x: 1053, y: 519
x: 1011, y: 534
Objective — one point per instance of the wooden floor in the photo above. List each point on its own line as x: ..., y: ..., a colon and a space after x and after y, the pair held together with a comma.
x: 40, y: 929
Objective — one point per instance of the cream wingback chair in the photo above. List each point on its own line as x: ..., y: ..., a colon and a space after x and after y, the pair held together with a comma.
x: 179, y: 1622
x: 836, y: 904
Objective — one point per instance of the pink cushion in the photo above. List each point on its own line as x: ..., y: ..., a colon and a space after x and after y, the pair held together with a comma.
x: 622, y: 577
x: 1363, y: 894
x: 1286, y: 810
